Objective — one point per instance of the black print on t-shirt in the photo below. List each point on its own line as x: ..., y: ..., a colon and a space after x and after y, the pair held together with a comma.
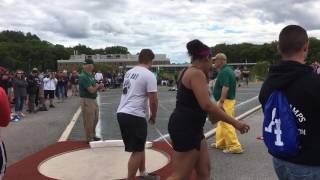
x: 133, y: 76
x: 126, y: 86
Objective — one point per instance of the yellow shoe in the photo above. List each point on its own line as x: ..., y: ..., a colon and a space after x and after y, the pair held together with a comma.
x: 237, y: 151
x: 213, y: 145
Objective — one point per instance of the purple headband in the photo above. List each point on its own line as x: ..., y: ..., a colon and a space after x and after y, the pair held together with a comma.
x: 205, y: 53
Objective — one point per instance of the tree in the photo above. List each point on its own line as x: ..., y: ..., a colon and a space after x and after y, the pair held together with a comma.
x: 83, y: 49
x: 102, y: 67
x: 261, y: 69
x: 116, y: 50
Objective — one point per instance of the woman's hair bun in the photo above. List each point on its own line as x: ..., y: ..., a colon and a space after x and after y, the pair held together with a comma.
x: 194, y: 47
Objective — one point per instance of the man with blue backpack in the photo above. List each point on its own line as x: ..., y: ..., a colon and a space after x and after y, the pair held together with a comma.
x: 291, y: 104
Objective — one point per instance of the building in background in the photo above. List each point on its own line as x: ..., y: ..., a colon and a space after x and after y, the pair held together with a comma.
x: 113, y: 60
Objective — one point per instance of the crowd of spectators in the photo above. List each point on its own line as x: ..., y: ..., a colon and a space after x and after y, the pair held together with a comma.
x: 29, y: 93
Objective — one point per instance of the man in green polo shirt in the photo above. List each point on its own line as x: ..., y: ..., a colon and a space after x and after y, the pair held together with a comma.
x: 225, y: 93
x: 88, y: 93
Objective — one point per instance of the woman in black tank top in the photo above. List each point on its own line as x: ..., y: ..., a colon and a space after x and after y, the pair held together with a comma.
x: 187, y: 120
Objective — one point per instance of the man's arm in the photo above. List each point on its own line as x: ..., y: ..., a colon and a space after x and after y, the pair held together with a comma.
x: 225, y: 89
x: 86, y: 84
x: 152, y: 95
x: 224, y: 94
x: 94, y: 89
x: 153, y: 102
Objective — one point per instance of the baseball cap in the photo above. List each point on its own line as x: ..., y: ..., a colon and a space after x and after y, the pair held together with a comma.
x: 35, y: 70
x: 88, y: 61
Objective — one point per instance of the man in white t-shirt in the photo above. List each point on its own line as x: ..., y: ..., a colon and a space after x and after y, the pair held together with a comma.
x: 237, y: 73
x: 98, y: 76
x: 139, y: 85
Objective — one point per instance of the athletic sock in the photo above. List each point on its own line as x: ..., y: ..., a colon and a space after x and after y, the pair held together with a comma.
x: 144, y: 173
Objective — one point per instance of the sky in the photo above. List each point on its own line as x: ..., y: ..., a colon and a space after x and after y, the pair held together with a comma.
x: 165, y: 26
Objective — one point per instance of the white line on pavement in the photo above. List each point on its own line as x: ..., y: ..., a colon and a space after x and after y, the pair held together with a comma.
x: 98, y: 127
x: 67, y: 131
x: 237, y: 106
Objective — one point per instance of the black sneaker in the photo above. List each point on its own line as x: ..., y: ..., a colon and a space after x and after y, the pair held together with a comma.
x: 52, y: 106
x: 96, y: 139
x: 43, y: 109
x: 150, y: 177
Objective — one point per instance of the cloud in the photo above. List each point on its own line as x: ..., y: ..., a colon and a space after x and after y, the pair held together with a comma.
x: 304, y: 13
x: 164, y: 26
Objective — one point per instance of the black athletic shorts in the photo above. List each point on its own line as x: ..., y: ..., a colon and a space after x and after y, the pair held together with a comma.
x: 186, y: 130
x: 133, y: 131
x: 49, y: 93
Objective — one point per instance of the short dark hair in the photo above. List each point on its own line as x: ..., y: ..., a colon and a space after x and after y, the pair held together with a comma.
x: 292, y: 38
x: 145, y: 56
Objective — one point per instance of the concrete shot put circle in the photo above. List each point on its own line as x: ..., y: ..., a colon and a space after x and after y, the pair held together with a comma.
x: 97, y: 163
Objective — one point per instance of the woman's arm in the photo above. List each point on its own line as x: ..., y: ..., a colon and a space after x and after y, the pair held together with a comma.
x: 198, y: 83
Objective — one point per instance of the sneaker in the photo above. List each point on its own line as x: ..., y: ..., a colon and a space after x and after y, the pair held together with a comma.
x: 16, y: 118
x: 43, y: 109
x: 150, y: 177
x: 52, y: 106
x: 239, y: 151
x: 96, y: 139
x: 213, y: 145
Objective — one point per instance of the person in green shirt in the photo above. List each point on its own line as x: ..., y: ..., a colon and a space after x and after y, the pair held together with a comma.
x: 225, y: 93
x: 88, y: 93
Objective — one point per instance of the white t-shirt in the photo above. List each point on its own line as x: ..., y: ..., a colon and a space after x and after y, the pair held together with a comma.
x: 50, y: 84
x: 98, y: 76
x: 138, y: 81
x: 237, y: 72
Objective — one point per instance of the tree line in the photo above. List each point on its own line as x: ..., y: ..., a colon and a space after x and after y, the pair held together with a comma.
x: 251, y: 53
x: 24, y: 51
x: 20, y: 50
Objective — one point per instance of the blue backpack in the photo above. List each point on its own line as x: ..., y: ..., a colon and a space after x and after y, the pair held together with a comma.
x: 280, y: 131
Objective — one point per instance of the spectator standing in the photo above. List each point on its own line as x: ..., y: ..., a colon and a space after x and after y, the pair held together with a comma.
x: 88, y: 93
x: 50, y: 83
x: 300, y: 86
x: 74, y: 80
x: 4, y: 121
x: 98, y: 77
x: 33, y: 89
x: 5, y: 82
x: 61, y: 86
x: 237, y: 73
x: 20, y: 93
x: 66, y: 80
x: 42, y: 105
x: 246, y: 75
x: 225, y: 93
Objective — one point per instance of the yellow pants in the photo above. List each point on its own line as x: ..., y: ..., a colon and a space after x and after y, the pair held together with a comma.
x: 226, y: 137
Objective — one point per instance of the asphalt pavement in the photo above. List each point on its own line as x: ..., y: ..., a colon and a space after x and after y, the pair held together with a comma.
x: 37, y: 131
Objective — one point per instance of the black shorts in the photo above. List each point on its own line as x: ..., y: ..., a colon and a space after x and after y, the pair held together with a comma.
x: 186, y: 130
x: 133, y: 131
x: 49, y: 93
